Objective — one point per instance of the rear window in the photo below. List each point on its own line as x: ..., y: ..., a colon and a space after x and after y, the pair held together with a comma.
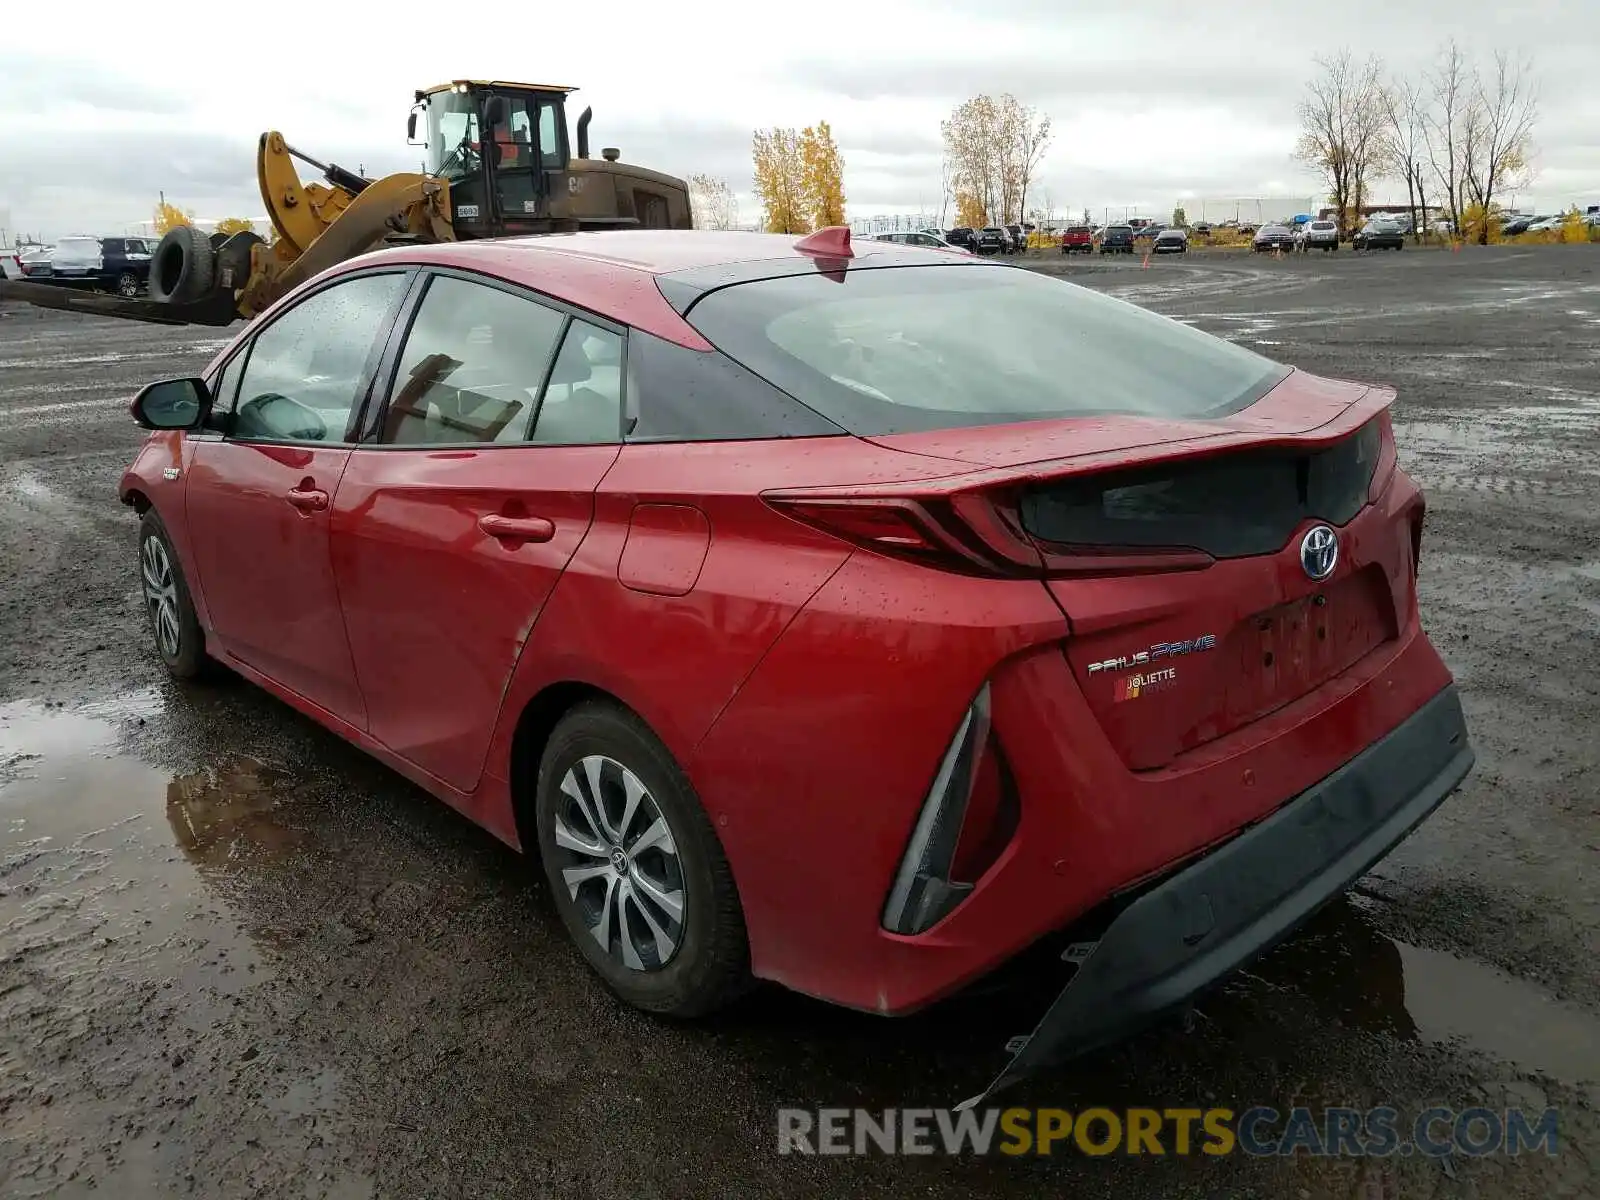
x: 902, y: 349
x: 1119, y: 228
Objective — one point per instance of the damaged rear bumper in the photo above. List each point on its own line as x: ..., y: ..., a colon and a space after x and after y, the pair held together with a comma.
x: 1242, y: 898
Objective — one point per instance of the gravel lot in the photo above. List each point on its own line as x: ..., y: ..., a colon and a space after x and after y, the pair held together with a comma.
x: 239, y: 958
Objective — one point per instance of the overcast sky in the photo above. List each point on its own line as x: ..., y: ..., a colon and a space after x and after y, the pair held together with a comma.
x: 1152, y: 102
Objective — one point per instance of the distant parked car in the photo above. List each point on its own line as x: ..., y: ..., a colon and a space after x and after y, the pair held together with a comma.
x: 1379, y: 234
x: 1513, y: 225
x: 993, y: 240
x: 35, y: 262
x: 1545, y: 224
x: 1318, y: 235
x: 1077, y: 239
x: 1273, y: 236
x: 919, y: 237
x: 1019, y: 238
x: 1202, y: 227
x: 962, y: 236
x: 1117, y: 239
x: 114, y: 264
x: 1171, y: 241
x: 10, y: 264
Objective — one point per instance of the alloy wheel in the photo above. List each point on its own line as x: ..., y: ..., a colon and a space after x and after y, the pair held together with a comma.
x: 161, y: 595
x: 619, y: 863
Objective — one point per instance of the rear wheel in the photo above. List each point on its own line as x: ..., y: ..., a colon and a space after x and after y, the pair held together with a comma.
x: 635, y: 868
x: 183, y: 267
x: 127, y: 285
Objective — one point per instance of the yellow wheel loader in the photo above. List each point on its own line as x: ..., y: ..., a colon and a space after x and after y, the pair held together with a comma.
x: 498, y: 163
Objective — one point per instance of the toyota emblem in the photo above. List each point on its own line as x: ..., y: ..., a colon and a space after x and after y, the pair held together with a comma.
x: 1319, y: 552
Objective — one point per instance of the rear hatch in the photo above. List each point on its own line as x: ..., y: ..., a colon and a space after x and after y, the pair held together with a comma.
x: 1176, y: 551
x: 1157, y: 480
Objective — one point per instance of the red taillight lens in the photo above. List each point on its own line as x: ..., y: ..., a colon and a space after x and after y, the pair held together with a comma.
x: 962, y: 533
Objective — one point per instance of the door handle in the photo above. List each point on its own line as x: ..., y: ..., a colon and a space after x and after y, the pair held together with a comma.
x: 307, y: 499
x: 517, y: 529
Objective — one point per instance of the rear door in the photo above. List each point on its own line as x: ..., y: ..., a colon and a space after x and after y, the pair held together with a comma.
x: 458, y: 513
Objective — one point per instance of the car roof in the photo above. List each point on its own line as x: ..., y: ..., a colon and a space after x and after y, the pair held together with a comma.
x: 614, y: 272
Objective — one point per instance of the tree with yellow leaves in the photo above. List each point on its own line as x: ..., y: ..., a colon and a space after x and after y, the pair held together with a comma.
x: 170, y: 216
x: 780, y: 180
x: 969, y: 210
x: 231, y: 225
x: 822, y: 175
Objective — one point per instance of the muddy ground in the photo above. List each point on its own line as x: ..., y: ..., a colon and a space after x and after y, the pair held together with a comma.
x: 238, y: 958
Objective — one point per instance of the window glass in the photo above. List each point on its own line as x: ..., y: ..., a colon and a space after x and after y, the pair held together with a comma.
x: 307, y: 368
x: 583, y: 400
x: 453, y: 150
x: 680, y: 395
x: 913, y: 348
x: 550, y: 139
x: 471, y: 367
x: 224, y: 389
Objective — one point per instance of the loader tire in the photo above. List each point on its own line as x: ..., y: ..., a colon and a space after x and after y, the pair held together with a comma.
x: 184, y: 266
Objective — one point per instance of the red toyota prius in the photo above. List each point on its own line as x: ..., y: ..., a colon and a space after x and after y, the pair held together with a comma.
x: 850, y: 617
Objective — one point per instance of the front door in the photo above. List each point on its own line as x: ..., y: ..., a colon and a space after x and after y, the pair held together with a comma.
x: 260, y: 491
x: 451, y: 531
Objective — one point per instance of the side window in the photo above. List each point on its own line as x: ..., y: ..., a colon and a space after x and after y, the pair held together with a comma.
x: 471, y: 368
x: 680, y: 395
x: 550, y: 139
x: 583, y: 401
x: 110, y: 246
x: 307, y: 369
x: 224, y: 390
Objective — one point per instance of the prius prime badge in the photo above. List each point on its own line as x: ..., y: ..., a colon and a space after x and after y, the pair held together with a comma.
x: 1319, y: 552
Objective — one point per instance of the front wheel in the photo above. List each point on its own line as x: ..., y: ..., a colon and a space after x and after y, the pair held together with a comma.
x: 635, y: 868
x: 179, y: 639
x: 127, y: 285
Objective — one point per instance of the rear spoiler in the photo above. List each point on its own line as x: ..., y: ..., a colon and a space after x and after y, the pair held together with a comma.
x: 216, y: 310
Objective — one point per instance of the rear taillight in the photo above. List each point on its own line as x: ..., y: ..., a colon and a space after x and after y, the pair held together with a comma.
x: 965, y: 822
x: 977, y: 532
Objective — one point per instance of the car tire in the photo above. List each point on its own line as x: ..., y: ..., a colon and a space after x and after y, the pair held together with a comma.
x: 601, y: 750
x: 180, y: 641
x: 183, y: 268
x: 127, y: 285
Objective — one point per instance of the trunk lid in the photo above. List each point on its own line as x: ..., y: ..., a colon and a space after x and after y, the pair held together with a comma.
x: 1172, y: 659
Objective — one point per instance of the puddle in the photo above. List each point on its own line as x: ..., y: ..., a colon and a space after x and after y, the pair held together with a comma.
x: 1373, y: 982
x: 224, y: 813
x: 113, y: 868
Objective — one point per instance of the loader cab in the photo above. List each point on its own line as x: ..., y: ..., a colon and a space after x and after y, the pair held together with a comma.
x: 503, y: 149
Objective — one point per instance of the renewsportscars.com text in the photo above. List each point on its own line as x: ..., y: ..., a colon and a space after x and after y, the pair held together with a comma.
x: 1330, y: 1132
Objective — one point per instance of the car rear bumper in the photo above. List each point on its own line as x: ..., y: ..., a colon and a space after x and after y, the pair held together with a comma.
x: 1242, y: 898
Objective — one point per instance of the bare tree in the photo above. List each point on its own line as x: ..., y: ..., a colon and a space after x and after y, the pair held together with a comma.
x: 1449, y: 125
x: 1029, y: 139
x: 946, y: 188
x: 993, y: 147
x: 711, y: 203
x: 1341, y: 128
x: 1506, y: 105
x: 1405, y: 110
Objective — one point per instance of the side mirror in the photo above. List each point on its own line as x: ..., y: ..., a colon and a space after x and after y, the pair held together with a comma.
x: 411, y: 126
x: 172, y: 404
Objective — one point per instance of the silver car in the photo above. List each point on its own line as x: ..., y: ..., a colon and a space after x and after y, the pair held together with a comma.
x: 1319, y: 235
